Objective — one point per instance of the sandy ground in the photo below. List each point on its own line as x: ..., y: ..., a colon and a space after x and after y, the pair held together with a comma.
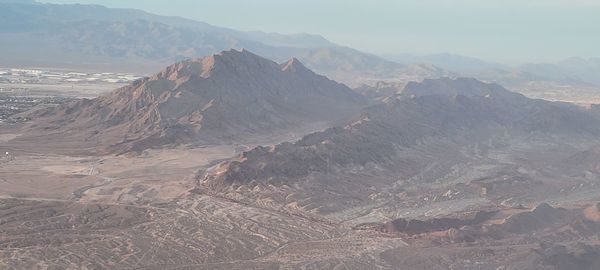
x: 136, y: 212
x: 154, y: 175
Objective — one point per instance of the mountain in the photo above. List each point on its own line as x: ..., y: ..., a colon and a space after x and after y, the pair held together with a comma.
x: 570, y: 70
x: 434, y: 136
x: 554, y: 82
x: 233, y: 96
x: 355, y: 68
x: 573, y: 70
x: 571, y: 80
x: 96, y: 37
x: 92, y: 37
x: 23, y: 16
x: 462, y: 87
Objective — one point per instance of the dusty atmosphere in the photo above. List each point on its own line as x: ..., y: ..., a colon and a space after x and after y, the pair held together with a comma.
x: 130, y: 140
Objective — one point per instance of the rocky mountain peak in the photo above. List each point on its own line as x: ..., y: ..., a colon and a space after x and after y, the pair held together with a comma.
x: 231, y: 62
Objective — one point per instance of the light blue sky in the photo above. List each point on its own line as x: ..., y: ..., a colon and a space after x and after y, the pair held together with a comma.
x: 508, y: 31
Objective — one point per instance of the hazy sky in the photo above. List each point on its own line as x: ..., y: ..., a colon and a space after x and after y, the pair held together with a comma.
x: 509, y: 31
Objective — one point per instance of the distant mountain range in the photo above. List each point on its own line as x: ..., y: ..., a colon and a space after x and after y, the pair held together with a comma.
x: 100, y: 38
x: 573, y: 71
x: 452, y: 62
x: 92, y: 37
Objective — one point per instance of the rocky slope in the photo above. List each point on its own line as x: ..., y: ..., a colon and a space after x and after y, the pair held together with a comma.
x: 437, y: 141
x: 233, y: 96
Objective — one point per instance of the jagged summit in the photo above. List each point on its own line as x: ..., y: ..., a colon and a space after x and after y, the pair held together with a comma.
x: 226, y: 97
x: 226, y: 61
x: 240, y: 62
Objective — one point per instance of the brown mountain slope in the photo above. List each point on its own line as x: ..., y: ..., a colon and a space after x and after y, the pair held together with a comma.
x: 233, y: 96
x: 427, y: 144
